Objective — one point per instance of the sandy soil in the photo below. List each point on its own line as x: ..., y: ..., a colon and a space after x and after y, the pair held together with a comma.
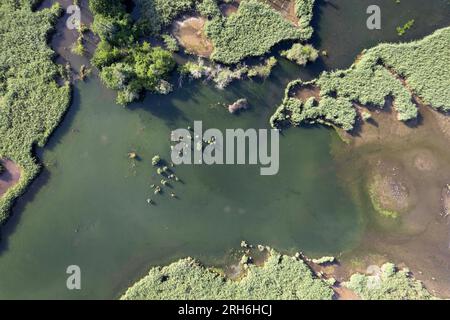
x: 190, y: 34
x: 9, y: 177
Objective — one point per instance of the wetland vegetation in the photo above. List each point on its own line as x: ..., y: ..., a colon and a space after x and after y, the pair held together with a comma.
x: 145, y: 45
x: 33, y: 93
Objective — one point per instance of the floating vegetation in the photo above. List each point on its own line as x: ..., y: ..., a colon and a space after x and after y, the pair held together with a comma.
x: 324, y: 260
x: 158, y: 190
x: 156, y: 160
x: 132, y: 155
x: 402, y: 30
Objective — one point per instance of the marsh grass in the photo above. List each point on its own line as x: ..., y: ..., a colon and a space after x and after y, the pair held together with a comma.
x: 31, y: 102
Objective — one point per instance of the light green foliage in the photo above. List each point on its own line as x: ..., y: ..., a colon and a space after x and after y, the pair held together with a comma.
x: 262, y: 70
x: 171, y: 43
x: 301, y: 54
x: 402, y: 30
x: 281, y: 277
x: 304, y: 10
x: 390, y: 284
x: 31, y: 102
x: 324, y: 260
x: 388, y: 70
x: 223, y: 76
x: 252, y: 31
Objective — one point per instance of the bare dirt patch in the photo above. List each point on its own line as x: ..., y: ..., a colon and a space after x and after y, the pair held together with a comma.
x: 191, y: 36
x: 307, y: 91
x: 420, y: 237
x: 286, y: 8
x: 10, y: 175
x: 227, y: 9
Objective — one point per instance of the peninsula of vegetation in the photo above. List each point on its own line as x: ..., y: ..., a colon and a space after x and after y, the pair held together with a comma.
x: 33, y: 92
x: 400, y: 72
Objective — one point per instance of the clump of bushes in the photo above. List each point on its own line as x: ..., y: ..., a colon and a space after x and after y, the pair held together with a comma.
x: 390, y: 283
x: 222, y: 76
x: 301, y: 54
x: 126, y: 65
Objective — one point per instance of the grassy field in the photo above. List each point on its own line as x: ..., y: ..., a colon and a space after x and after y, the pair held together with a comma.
x: 32, y: 103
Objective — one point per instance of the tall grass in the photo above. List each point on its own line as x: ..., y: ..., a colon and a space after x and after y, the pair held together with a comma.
x: 31, y: 101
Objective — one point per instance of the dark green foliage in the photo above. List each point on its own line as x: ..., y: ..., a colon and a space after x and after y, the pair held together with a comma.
x: 125, y: 65
x: 143, y: 68
x: 106, y: 7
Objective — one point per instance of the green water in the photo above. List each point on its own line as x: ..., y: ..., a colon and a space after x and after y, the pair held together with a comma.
x: 88, y: 207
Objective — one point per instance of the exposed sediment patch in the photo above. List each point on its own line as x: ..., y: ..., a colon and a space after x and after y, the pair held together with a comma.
x: 9, y: 176
x: 191, y: 35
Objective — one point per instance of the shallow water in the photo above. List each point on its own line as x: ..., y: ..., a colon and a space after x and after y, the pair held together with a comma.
x: 89, y: 207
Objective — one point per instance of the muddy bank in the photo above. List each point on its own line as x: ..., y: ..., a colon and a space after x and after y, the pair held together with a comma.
x: 191, y: 36
x: 9, y: 175
x: 405, y: 167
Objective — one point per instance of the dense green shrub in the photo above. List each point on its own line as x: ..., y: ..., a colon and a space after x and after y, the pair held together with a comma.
x: 389, y: 284
x: 208, y: 8
x: 281, y: 277
x: 124, y: 64
x: 31, y: 102
x: 252, y: 31
x: 301, y: 54
x: 106, y: 7
x: 143, y: 68
x: 388, y: 70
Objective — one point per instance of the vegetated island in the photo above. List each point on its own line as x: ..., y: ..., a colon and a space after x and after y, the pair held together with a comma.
x: 34, y: 94
x: 400, y: 72
x: 129, y: 64
x: 279, y: 277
